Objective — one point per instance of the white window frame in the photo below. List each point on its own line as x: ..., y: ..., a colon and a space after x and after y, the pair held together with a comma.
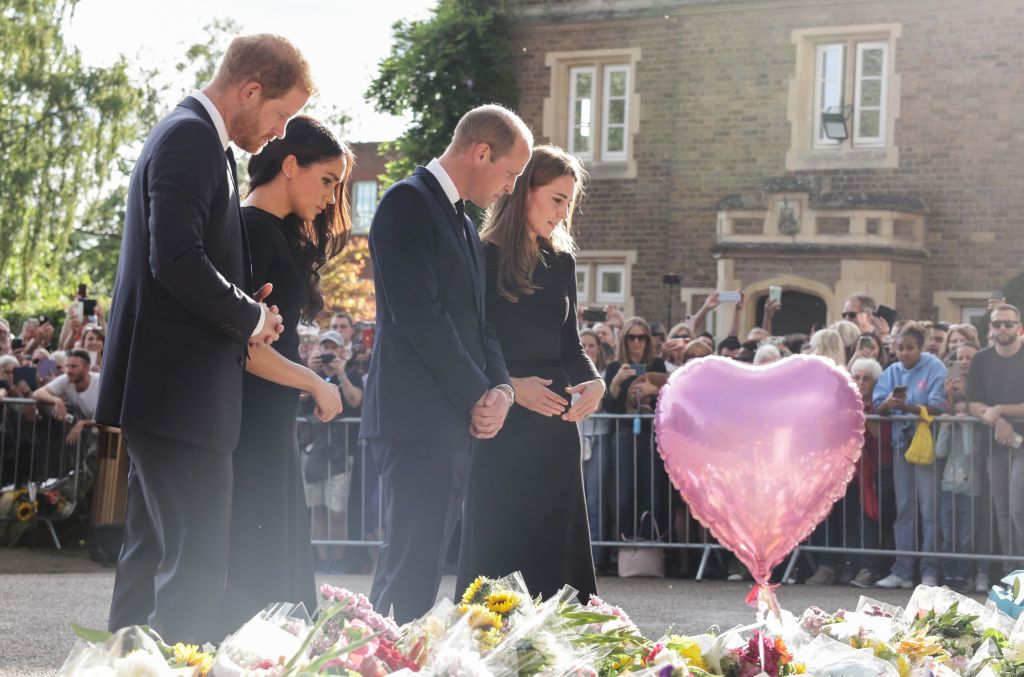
x: 359, y: 227
x: 600, y: 295
x: 821, y: 141
x: 574, y: 72
x: 858, y: 139
x: 582, y: 286
x: 615, y: 156
x: 970, y: 313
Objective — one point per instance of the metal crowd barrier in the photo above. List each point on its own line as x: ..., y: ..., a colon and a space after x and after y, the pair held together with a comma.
x: 632, y: 503
x: 42, y: 476
x: 630, y: 500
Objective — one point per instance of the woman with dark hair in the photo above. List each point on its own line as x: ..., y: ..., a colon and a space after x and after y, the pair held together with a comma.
x: 296, y: 218
x: 869, y: 346
x: 525, y: 508
x: 916, y: 379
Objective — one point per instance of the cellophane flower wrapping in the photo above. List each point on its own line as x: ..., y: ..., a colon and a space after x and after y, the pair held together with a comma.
x: 262, y: 646
x: 128, y: 652
x: 827, y: 657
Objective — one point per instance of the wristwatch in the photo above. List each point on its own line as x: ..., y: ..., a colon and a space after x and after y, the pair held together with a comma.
x: 509, y: 391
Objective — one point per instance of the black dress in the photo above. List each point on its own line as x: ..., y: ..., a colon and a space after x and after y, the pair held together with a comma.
x: 526, y: 509
x: 271, y: 558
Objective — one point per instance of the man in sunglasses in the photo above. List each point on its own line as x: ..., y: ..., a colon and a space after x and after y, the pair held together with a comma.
x: 995, y: 390
x: 860, y: 309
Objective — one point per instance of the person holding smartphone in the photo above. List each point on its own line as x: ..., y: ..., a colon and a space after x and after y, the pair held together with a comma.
x: 631, y: 390
x: 869, y: 345
x: 916, y: 379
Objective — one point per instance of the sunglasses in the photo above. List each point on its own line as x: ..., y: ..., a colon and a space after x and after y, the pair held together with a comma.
x: 636, y: 337
x: 1003, y: 324
x: 851, y: 315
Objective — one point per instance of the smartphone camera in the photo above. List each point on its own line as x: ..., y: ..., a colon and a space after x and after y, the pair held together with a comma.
x: 594, y: 315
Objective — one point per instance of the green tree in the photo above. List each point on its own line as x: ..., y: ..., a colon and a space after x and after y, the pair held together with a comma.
x: 439, y: 68
x: 66, y: 130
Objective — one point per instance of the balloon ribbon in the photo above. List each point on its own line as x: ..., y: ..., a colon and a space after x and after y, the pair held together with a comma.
x: 763, y: 592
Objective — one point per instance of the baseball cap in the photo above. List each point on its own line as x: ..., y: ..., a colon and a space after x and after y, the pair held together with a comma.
x: 332, y: 336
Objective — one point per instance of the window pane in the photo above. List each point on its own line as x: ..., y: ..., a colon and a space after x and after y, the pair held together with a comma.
x: 584, y: 111
x: 831, y: 64
x: 618, y: 83
x: 869, y: 126
x: 872, y: 62
x: 871, y: 93
x: 611, y: 282
x: 581, y: 279
x: 617, y: 112
x: 584, y: 85
x: 831, y: 95
x: 615, y: 140
x: 581, y: 141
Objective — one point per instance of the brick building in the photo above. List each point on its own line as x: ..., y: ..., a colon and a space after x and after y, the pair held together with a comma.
x: 364, y: 185
x: 825, y: 146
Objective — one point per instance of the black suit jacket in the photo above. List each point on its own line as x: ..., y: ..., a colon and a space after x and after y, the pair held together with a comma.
x: 434, y: 354
x: 179, y: 320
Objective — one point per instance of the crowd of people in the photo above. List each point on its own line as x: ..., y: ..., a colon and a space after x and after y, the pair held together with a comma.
x: 965, y: 502
x: 61, y: 374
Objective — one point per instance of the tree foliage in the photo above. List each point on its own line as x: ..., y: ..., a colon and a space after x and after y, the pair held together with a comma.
x: 67, y: 129
x: 439, y: 68
x: 346, y: 281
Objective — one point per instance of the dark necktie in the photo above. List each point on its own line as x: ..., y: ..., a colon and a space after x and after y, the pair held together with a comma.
x: 460, y: 214
x: 234, y: 167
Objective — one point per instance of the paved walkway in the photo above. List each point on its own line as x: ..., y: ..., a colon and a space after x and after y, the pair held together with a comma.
x: 41, y: 591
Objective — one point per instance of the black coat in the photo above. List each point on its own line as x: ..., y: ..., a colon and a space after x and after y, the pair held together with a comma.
x: 181, y: 315
x: 434, y: 354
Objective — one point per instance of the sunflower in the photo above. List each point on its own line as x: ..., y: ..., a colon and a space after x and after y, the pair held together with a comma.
x: 502, y: 602
x: 25, y: 510
x: 473, y: 589
x: 489, y: 639
x: 480, y: 617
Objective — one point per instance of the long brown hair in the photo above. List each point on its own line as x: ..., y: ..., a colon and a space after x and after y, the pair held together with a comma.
x: 314, y: 242
x: 505, y: 224
x: 623, y: 355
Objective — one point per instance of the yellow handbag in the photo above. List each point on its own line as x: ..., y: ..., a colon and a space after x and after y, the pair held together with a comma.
x: 922, y: 448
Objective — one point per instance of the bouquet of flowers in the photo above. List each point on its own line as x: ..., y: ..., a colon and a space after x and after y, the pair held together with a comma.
x: 134, y: 651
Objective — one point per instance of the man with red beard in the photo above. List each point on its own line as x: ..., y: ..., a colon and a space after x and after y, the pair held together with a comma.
x: 185, y: 313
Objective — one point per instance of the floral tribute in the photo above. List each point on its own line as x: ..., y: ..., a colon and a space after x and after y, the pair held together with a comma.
x: 496, y: 629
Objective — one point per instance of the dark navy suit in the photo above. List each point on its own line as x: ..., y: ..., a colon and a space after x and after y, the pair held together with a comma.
x: 434, y: 357
x: 172, y: 374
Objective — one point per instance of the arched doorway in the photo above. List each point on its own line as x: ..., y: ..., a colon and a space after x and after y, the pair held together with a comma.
x: 800, y: 312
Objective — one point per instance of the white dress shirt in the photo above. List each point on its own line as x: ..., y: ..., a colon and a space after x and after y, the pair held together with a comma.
x: 446, y: 182
x: 222, y: 132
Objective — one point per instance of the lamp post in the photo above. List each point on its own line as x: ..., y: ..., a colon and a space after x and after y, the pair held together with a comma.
x: 670, y: 280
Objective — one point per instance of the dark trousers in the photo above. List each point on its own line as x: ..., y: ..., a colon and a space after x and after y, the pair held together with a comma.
x: 423, y: 488
x: 173, y: 565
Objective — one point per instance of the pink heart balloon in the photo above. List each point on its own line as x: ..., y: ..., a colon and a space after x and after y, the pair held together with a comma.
x: 760, y: 454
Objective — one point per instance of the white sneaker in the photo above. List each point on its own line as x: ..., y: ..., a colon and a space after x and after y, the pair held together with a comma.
x: 981, y: 583
x: 734, y: 577
x: 931, y: 580
x: 893, y: 581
